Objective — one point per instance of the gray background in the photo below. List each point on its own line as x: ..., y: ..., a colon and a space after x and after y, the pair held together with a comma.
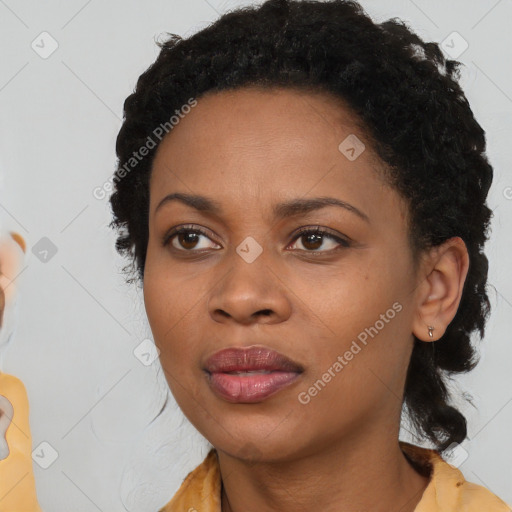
x: 90, y: 398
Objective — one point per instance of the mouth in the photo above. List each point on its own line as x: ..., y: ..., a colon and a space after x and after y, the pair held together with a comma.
x: 250, y: 375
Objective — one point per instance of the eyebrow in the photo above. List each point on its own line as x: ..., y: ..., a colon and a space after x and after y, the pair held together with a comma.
x: 280, y: 210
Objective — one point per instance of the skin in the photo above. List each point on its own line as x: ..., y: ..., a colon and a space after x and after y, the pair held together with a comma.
x: 248, y: 149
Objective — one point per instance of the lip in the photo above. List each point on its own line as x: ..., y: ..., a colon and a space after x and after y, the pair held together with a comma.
x: 261, y: 372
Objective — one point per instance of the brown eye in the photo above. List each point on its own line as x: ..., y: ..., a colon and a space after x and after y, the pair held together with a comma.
x: 186, y: 239
x: 313, y: 239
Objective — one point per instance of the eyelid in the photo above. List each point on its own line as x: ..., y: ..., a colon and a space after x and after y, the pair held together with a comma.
x: 322, y: 230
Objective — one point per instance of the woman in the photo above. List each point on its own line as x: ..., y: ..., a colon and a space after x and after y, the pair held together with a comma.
x: 302, y: 192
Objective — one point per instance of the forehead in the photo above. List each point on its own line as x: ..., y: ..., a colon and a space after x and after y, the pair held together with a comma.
x: 255, y: 144
x: 284, y: 113
x: 275, y: 128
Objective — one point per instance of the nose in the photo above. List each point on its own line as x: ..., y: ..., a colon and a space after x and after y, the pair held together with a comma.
x: 250, y: 293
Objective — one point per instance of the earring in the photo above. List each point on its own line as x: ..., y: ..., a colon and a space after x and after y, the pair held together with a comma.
x: 430, y: 329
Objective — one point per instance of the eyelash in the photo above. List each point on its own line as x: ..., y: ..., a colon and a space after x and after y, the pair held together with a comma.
x: 316, y: 230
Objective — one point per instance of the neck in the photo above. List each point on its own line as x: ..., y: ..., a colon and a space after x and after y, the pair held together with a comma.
x: 351, y: 476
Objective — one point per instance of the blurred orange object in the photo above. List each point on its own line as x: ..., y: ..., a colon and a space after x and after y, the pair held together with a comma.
x: 17, y: 483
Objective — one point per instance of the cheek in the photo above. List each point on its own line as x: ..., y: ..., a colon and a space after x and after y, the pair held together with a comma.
x: 165, y: 295
x: 172, y: 304
x: 349, y: 297
x: 362, y: 316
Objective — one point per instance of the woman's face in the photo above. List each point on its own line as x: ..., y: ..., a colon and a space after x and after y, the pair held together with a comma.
x: 338, y: 305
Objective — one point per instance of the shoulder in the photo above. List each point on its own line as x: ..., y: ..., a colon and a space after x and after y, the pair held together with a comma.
x: 448, y: 489
x: 475, y: 498
x: 200, y: 490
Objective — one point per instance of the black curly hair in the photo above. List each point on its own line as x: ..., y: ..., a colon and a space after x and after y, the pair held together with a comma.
x: 405, y: 94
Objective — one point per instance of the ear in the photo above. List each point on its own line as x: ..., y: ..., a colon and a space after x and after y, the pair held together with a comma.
x: 440, y: 290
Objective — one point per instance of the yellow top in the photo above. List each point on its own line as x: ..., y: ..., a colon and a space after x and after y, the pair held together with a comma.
x: 17, y: 483
x: 447, y: 490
